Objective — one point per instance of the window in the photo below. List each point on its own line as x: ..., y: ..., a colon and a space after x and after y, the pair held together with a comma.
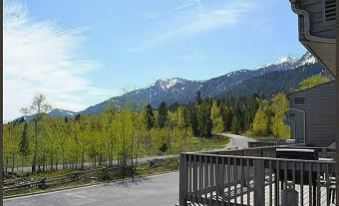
x: 299, y: 100
x: 291, y: 115
x: 330, y: 10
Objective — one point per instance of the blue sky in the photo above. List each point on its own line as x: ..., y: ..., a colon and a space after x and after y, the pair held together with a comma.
x: 81, y: 52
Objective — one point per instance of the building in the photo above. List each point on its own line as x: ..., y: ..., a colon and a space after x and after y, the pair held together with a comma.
x: 312, y: 116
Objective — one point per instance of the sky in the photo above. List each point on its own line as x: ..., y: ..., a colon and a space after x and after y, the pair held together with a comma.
x: 81, y: 52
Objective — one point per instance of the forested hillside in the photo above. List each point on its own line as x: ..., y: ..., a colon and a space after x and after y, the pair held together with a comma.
x: 282, y: 75
x: 123, y: 133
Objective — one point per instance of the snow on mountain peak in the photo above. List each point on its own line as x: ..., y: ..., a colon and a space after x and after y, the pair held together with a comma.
x: 168, y: 83
x: 308, y: 58
x: 286, y: 59
x: 61, y: 113
x: 281, y: 60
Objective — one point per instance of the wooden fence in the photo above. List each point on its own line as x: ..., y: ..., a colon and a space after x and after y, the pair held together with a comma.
x: 20, y: 185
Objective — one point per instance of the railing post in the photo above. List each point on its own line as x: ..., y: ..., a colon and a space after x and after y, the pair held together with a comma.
x: 337, y: 104
x: 259, y: 182
x: 183, y: 180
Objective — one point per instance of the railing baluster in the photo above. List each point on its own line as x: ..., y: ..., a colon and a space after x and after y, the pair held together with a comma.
x: 217, y: 177
x: 293, y: 175
x: 241, y: 182
x: 328, y: 196
x: 318, y: 185
x: 211, y: 180
x: 270, y: 182
x: 200, y: 178
x: 248, y: 182
x: 301, y: 183
x: 189, y: 173
x: 259, y: 182
x: 310, y: 182
x: 235, y: 179
x: 195, y: 178
x: 277, y: 184
x: 206, y: 180
x: 223, y: 180
x: 285, y: 176
x: 229, y: 179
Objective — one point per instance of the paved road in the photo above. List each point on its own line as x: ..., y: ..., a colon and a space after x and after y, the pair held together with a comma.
x: 159, y: 190
x: 236, y: 141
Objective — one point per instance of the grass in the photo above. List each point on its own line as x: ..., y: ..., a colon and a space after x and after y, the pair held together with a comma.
x: 249, y: 134
x: 159, y: 166
x: 203, y: 143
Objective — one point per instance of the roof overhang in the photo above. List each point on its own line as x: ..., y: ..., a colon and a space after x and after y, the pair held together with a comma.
x: 317, y: 29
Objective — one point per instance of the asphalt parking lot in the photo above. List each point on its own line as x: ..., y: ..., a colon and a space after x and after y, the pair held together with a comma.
x: 158, y: 190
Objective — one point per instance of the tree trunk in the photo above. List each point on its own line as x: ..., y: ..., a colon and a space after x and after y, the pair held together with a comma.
x: 13, y: 159
x: 22, y: 165
x: 82, y: 160
x: 51, y: 167
x: 17, y: 165
x: 35, y: 152
x: 6, y: 171
x: 63, y: 159
x: 44, y: 161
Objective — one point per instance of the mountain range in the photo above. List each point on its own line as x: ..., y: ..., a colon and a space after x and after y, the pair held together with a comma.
x: 282, y: 75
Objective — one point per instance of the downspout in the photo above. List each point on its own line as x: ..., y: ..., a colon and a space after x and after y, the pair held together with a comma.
x: 304, y: 121
x: 304, y: 118
x: 291, y: 123
x: 337, y: 103
x: 307, y: 25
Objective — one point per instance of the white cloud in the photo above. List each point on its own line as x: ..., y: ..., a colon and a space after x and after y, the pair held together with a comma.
x: 191, y: 18
x: 40, y: 56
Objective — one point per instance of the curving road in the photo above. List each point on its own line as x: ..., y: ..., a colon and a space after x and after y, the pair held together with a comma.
x: 236, y: 141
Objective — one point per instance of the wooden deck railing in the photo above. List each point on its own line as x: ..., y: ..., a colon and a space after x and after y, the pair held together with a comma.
x: 227, y: 179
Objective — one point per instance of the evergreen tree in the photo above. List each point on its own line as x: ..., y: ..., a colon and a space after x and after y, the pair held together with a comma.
x: 239, y: 117
x: 24, y: 144
x: 204, y: 119
x: 193, y: 119
x: 235, y: 126
x: 149, y: 116
x: 198, y: 98
x: 251, y: 108
x: 162, y: 115
x: 227, y: 116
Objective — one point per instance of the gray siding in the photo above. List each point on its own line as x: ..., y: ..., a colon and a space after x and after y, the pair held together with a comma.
x: 320, y: 115
x: 321, y: 25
